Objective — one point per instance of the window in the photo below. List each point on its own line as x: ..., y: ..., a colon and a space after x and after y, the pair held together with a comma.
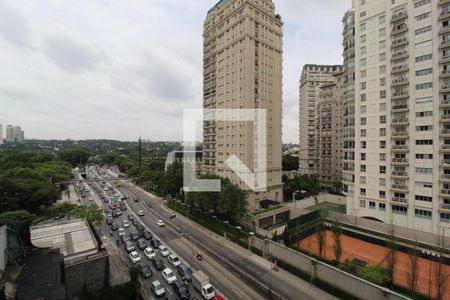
x: 382, y: 156
x: 363, y: 50
x: 424, y: 156
x: 424, y: 57
x: 363, y: 85
x: 420, y: 213
x: 383, y: 81
x: 382, y: 206
x: 362, y: 2
x: 363, y: 62
x: 423, y: 86
x: 423, y: 44
x: 363, y: 145
x: 383, y: 42
x: 424, y: 100
x: 423, y: 30
x: 372, y: 204
x: 424, y: 142
x: 363, y: 168
x: 382, y: 106
x: 381, y: 20
x: 382, y: 131
x: 382, y: 194
x: 382, y: 119
x: 362, y: 179
x: 381, y: 33
x: 382, y: 57
x: 423, y: 16
x: 424, y: 72
x: 421, y: 114
x: 383, y: 69
x: 382, y: 94
x: 424, y: 198
x: 362, y: 14
x: 382, y: 181
x: 421, y: 3
x: 397, y: 209
x: 362, y: 191
x: 363, y: 132
x: 363, y: 109
x: 363, y: 38
x: 445, y: 217
x: 363, y: 121
x: 362, y: 27
x: 421, y: 184
x: 362, y: 203
x: 382, y: 169
x: 424, y: 170
x: 382, y: 144
x: 363, y: 156
x: 363, y: 73
x: 363, y: 97
x: 424, y: 128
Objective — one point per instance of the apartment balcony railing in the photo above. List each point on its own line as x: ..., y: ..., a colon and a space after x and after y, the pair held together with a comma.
x: 400, y: 199
x: 400, y: 81
x: 399, y: 29
x: 399, y: 55
x: 445, y: 73
x: 401, y: 147
x: 400, y: 95
x: 400, y: 68
x: 445, y: 58
x: 445, y: 176
x: 400, y: 134
x: 445, y: 43
x: 445, y: 132
x: 445, y: 102
x: 445, y: 147
x: 445, y: 206
x: 445, y: 191
x: 444, y: 13
x: 399, y: 106
x: 400, y: 173
x: 397, y: 186
x: 444, y: 29
x: 400, y: 160
x: 398, y: 121
x: 399, y: 42
x: 445, y: 116
x: 399, y: 16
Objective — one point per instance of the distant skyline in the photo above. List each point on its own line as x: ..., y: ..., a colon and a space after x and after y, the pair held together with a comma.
x: 111, y: 69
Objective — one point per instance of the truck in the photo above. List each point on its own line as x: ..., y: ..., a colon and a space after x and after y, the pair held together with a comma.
x: 202, y: 285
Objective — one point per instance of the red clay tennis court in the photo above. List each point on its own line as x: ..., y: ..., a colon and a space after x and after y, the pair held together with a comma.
x: 375, y: 255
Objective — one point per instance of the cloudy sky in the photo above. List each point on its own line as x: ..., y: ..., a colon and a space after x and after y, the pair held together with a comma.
x: 115, y: 69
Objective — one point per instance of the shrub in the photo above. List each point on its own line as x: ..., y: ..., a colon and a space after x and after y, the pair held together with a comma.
x: 373, y: 274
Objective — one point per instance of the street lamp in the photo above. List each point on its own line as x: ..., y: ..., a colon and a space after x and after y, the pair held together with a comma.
x: 293, y: 197
x: 225, y: 228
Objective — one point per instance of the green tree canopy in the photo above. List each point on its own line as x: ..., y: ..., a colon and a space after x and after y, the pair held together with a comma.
x: 90, y: 213
x: 74, y: 156
x: 290, y: 162
x: 11, y: 216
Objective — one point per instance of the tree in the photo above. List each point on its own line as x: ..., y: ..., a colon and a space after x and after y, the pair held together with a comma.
x: 12, y: 216
x: 91, y: 214
x: 337, y: 247
x: 391, y: 258
x: 233, y: 201
x: 286, y: 237
x: 440, y: 277
x: 74, y: 156
x: 290, y: 162
x: 413, y: 275
x: 64, y: 207
x: 320, y: 231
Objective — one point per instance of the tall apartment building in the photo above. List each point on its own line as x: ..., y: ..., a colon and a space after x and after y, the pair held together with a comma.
x: 9, y: 133
x: 242, y: 69
x: 402, y: 113
x: 1, y: 134
x: 311, y: 79
x: 330, y: 117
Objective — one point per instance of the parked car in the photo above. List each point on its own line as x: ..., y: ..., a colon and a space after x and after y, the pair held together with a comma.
x: 160, y: 223
x: 169, y: 276
x: 121, y: 231
x: 130, y: 217
x: 109, y: 220
x: 149, y: 252
x: 142, y: 244
x: 157, y: 288
x: 123, y: 207
x: 59, y: 216
x: 174, y: 260
x: 185, y: 272
x: 140, y: 228
x: 125, y: 223
x: 158, y: 263
x: 147, y: 235
x: 145, y: 270
x: 141, y: 213
x: 163, y: 250
x: 156, y: 243
x: 134, y: 236
x: 125, y: 238
x: 181, y: 290
x: 135, y: 257
x: 114, y: 226
x: 129, y: 246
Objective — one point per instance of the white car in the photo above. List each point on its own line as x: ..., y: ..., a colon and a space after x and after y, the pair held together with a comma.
x: 149, y: 252
x: 160, y: 223
x: 169, y: 276
x: 141, y: 212
x: 121, y: 231
x: 174, y: 260
x: 91, y: 198
x: 116, y: 195
x: 157, y: 288
x: 126, y: 223
x: 135, y: 257
x: 163, y: 250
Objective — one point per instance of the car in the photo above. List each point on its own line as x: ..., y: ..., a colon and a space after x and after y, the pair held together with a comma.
x: 114, y: 226
x: 141, y: 213
x: 116, y: 194
x: 174, y: 260
x: 118, y: 212
x: 142, y: 244
x: 155, y: 243
x: 134, y: 236
x: 163, y: 250
x: 140, y: 228
x: 125, y: 238
x: 135, y: 257
x: 59, y: 216
x: 160, y: 223
x: 185, y: 272
x: 149, y: 252
x: 121, y: 231
x: 158, y: 263
x: 123, y: 207
x: 91, y: 198
x: 157, y: 288
x: 147, y: 235
x: 169, y: 276
x: 130, y: 217
x: 129, y: 246
x: 125, y: 223
x: 145, y: 270
x: 181, y: 290
x: 136, y: 199
x: 109, y: 220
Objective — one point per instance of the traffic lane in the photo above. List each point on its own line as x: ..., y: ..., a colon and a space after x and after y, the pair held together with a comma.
x: 221, y: 280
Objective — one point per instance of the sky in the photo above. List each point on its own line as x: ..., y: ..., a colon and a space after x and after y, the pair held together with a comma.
x: 114, y: 69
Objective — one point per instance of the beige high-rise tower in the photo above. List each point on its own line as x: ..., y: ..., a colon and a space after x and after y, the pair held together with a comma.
x: 402, y: 113
x: 242, y: 69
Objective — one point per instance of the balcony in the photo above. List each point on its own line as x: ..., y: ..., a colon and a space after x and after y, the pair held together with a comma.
x: 399, y: 42
x: 445, y: 148
x: 445, y: 88
x: 400, y: 95
x: 445, y: 59
x: 445, y: 206
x: 397, y: 186
x: 399, y: 174
x: 400, y: 134
x: 445, y: 177
x: 400, y: 81
x: 445, y: 116
x: 444, y: 29
x: 445, y: 103
x: 442, y: 2
x: 399, y: 29
x: 445, y: 13
x: 445, y: 132
x: 445, y: 191
x: 399, y: 160
x: 445, y: 44
x: 445, y: 73
x: 399, y: 107
x: 399, y: 199
x: 400, y: 148
x: 399, y: 55
x: 399, y: 121
x: 399, y: 16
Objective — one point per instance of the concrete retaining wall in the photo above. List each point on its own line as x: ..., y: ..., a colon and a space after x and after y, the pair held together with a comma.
x: 327, y: 273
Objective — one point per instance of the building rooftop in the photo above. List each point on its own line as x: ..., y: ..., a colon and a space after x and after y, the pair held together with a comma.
x: 72, y: 238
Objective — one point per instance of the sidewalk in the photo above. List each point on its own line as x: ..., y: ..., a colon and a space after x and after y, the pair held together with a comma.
x: 70, y: 195
x: 118, y: 269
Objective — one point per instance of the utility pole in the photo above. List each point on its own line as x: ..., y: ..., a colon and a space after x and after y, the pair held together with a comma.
x: 140, y: 155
